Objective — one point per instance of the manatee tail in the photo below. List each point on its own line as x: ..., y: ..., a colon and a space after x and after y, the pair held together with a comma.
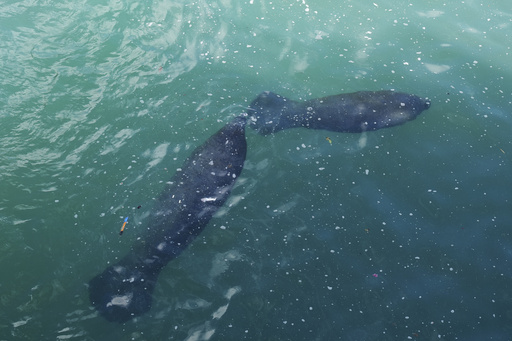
x: 123, y: 291
x: 270, y: 113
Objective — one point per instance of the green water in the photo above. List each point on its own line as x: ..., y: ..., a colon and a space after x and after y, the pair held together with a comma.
x: 100, y: 102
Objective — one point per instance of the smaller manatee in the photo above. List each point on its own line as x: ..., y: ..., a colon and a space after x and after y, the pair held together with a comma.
x: 349, y: 113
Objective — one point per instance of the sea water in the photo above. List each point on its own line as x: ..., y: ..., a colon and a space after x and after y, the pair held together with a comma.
x: 399, y: 234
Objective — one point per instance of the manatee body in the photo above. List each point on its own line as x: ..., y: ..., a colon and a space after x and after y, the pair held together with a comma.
x: 202, y: 185
x: 349, y: 113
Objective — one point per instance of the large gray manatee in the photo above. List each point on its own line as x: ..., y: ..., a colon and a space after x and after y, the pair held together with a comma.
x: 197, y: 190
x: 348, y: 113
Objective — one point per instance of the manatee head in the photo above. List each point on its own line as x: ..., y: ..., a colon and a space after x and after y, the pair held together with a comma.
x: 389, y: 108
x: 414, y: 104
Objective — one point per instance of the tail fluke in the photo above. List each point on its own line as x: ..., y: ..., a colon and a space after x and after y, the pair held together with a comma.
x: 268, y: 113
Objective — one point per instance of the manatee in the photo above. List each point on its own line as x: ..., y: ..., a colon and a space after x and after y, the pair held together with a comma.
x: 348, y: 113
x: 196, y: 191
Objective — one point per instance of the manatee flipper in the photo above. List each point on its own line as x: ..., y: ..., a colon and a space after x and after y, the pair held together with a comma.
x: 351, y: 113
x: 197, y: 190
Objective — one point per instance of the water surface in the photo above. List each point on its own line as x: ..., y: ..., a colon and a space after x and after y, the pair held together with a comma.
x: 398, y: 234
